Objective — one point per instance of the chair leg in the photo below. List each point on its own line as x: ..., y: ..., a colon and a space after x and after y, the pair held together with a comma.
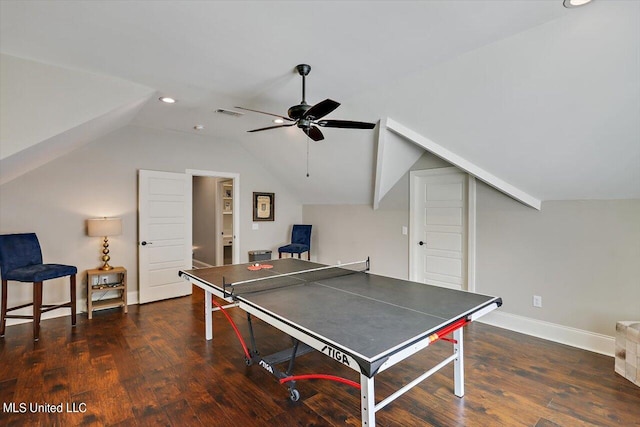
x: 3, y: 319
x: 299, y: 254
x: 37, y: 309
x: 72, y: 279
x: 309, y: 255
x: 279, y: 255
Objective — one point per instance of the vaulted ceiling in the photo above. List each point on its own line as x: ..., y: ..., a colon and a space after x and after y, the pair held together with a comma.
x: 543, y: 97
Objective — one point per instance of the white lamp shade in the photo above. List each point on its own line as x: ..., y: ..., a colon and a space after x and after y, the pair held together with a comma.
x: 102, y: 227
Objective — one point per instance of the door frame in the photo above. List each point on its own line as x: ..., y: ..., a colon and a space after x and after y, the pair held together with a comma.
x: 471, y: 221
x: 235, y: 177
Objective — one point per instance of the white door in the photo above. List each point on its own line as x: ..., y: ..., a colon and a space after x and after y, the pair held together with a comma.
x: 438, y: 227
x: 164, y: 234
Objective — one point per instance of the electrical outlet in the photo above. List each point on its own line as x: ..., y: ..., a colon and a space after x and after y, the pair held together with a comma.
x: 537, y: 301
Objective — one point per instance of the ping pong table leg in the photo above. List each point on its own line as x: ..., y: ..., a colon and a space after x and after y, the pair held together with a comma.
x: 458, y: 363
x: 208, y: 315
x: 368, y: 401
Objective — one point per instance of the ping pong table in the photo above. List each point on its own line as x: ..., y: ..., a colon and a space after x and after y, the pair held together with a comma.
x: 362, y: 320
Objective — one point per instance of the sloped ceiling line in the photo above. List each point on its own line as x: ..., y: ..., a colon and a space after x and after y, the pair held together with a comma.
x: 382, y: 183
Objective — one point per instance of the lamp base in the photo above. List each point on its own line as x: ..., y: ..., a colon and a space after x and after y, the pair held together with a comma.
x: 105, y: 256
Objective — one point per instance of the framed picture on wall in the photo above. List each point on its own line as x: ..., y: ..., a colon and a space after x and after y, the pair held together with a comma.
x: 263, y: 206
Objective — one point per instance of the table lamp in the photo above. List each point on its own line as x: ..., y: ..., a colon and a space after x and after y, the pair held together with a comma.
x: 104, y: 227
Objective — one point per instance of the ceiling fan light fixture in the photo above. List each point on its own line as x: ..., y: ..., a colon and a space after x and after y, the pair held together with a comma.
x: 167, y: 100
x: 575, y: 3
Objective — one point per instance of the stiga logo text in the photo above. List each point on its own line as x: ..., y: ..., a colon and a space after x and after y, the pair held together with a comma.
x: 266, y: 366
x: 336, y: 354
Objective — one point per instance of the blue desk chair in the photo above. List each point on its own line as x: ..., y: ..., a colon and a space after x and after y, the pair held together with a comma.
x: 21, y: 261
x: 300, y: 242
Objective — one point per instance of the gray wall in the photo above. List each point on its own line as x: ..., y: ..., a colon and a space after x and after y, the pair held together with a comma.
x: 347, y: 233
x: 204, y: 218
x: 582, y: 257
x: 100, y: 179
x: 354, y: 232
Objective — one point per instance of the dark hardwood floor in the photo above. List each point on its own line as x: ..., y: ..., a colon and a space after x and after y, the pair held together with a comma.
x: 153, y: 367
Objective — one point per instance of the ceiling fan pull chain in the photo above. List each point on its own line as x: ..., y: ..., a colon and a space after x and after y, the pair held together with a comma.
x: 307, y: 156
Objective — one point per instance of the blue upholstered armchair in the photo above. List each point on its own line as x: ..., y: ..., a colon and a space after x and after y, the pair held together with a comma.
x: 300, y: 242
x: 21, y: 261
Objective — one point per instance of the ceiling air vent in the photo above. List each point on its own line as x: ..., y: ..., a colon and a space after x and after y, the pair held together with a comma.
x: 229, y: 112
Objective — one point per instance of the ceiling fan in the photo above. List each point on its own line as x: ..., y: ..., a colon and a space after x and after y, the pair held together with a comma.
x: 307, y: 117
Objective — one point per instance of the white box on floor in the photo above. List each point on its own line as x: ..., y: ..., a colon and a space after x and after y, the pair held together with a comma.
x: 628, y: 350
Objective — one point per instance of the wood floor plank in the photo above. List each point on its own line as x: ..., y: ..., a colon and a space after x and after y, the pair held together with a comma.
x: 153, y: 366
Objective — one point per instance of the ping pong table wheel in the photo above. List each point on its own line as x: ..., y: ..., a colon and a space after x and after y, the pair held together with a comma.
x: 248, y: 361
x: 294, y: 395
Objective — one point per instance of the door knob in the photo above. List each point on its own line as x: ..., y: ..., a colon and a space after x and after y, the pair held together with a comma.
x: 145, y: 243
x: 421, y: 243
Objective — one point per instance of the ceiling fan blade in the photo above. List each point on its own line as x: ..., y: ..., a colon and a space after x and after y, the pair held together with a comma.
x: 263, y: 112
x: 272, y: 127
x: 314, y: 133
x: 321, y: 109
x: 345, y: 124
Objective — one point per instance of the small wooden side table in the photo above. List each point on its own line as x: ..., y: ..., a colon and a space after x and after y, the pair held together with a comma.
x: 106, y: 281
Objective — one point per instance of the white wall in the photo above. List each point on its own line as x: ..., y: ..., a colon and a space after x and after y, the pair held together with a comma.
x: 39, y: 101
x: 100, y: 179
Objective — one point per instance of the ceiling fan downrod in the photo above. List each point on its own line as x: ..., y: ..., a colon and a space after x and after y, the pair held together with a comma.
x: 303, y: 70
x: 297, y: 111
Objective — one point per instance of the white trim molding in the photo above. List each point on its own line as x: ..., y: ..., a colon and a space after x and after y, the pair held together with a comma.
x: 236, y: 203
x: 471, y: 233
x: 380, y: 143
x: 567, y: 335
x: 460, y: 162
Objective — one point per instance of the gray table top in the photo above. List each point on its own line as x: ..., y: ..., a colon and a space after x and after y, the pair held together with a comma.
x: 369, y: 315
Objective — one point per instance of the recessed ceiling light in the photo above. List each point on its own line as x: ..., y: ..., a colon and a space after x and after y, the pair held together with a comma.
x: 168, y: 100
x: 278, y: 121
x: 575, y: 3
x: 198, y: 127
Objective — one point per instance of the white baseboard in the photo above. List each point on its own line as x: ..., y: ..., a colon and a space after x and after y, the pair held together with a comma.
x: 579, y: 338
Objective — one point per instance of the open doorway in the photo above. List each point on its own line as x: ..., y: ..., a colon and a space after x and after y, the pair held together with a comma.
x: 215, y: 218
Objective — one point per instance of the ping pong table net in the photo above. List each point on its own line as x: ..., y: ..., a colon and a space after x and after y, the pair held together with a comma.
x: 297, y: 278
